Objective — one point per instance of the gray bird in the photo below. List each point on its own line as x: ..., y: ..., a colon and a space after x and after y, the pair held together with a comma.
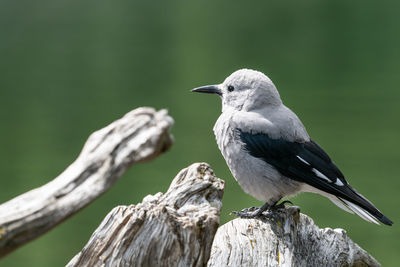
x: 269, y: 151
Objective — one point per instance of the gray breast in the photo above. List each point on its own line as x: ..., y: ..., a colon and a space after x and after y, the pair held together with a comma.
x: 255, y: 176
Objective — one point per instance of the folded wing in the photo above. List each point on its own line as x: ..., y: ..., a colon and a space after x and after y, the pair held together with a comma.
x: 307, y: 162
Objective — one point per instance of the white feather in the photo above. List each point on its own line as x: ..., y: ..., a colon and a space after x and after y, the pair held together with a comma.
x: 302, y: 160
x: 338, y: 202
x: 321, y: 175
x: 360, y: 211
x: 342, y: 203
x: 339, y: 182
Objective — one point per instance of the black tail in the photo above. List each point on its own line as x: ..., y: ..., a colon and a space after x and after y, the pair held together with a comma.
x: 363, y: 207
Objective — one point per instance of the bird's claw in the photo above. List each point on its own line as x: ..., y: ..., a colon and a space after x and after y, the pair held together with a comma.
x: 245, y: 214
x: 281, y: 205
x: 254, y: 212
x: 248, y: 213
x: 251, y: 209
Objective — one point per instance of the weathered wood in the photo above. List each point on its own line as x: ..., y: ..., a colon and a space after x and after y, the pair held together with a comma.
x: 140, y: 135
x: 284, y: 238
x: 172, y: 229
x: 177, y: 229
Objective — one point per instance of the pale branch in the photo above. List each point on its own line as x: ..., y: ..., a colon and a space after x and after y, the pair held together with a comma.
x: 172, y: 229
x: 284, y: 238
x: 140, y: 135
x: 178, y: 227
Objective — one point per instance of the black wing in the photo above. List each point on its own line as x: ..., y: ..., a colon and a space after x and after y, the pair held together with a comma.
x: 308, y: 163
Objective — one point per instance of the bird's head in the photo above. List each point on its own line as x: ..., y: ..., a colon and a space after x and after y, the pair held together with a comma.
x: 246, y: 90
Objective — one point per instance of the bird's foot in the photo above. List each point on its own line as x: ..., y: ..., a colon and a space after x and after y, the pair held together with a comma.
x: 254, y: 212
x: 281, y: 205
x: 247, y: 210
x: 246, y: 213
x: 249, y: 213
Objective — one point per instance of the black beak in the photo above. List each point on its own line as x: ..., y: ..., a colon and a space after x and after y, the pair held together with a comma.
x: 209, y: 89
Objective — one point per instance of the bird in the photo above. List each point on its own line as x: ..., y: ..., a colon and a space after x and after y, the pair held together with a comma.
x: 269, y: 152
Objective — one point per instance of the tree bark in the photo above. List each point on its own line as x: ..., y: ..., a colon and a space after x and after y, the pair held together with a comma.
x: 140, y: 135
x: 172, y: 229
x: 178, y: 228
x: 284, y: 238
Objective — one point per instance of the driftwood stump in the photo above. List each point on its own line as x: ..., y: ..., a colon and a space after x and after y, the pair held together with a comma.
x: 177, y: 229
x: 284, y: 238
x: 172, y: 229
x: 140, y: 135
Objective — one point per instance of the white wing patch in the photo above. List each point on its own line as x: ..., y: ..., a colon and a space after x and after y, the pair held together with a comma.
x: 339, y: 182
x: 321, y: 175
x: 302, y: 160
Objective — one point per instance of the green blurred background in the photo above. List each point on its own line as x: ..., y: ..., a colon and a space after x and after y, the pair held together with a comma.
x: 68, y: 68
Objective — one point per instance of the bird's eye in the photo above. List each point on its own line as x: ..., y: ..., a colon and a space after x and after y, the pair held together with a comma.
x: 231, y: 88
